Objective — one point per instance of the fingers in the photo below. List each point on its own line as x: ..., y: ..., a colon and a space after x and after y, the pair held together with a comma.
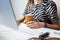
x: 35, y: 25
x: 31, y: 22
x: 32, y: 25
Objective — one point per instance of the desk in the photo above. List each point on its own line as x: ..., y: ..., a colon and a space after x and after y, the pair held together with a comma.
x: 7, y: 33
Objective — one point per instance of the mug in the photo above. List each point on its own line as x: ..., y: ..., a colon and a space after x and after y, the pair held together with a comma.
x: 29, y: 17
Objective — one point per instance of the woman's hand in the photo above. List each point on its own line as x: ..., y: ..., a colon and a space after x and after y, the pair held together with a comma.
x: 35, y: 25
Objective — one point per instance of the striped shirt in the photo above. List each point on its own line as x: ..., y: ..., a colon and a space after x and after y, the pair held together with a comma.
x: 48, y: 8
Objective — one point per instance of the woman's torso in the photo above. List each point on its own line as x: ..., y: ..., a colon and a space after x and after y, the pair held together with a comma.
x: 38, y: 10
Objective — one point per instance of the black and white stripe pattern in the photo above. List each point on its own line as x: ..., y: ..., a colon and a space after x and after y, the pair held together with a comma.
x: 49, y: 8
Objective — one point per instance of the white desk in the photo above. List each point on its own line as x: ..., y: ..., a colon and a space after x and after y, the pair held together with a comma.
x: 10, y: 34
x: 7, y: 33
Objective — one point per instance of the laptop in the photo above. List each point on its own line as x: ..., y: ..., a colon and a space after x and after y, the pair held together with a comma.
x: 7, y: 16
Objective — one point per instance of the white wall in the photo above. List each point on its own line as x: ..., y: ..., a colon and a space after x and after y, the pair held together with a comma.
x: 19, y: 6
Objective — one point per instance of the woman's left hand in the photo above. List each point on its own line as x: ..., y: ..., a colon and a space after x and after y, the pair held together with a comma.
x: 35, y: 25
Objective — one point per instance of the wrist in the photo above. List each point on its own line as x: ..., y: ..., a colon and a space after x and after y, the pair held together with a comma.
x: 41, y: 24
x: 45, y: 25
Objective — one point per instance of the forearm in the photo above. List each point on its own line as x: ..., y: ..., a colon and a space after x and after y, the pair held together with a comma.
x: 53, y: 26
x: 20, y: 20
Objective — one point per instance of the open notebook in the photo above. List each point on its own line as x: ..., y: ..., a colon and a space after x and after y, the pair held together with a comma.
x: 37, y: 32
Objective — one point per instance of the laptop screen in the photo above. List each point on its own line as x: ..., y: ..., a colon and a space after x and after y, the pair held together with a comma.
x: 6, y: 14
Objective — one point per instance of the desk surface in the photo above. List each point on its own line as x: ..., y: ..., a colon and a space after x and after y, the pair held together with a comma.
x: 7, y: 33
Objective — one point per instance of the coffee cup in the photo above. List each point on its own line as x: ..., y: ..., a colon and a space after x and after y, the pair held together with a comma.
x: 29, y: 17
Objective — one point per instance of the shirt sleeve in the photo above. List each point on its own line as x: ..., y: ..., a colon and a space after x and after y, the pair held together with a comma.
x: 53, y: 13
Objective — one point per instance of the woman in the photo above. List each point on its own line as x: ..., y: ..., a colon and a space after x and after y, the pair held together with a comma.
x: 40, y: 8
